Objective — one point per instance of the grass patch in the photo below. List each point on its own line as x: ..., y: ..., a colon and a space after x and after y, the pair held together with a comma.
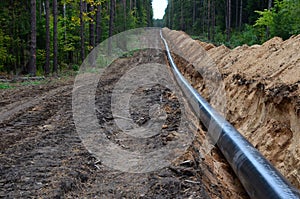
x: 6, y: 86
x: 32, y: 83
x: 130, y: 53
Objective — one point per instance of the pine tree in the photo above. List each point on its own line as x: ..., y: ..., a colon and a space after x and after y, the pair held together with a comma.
x: 47, y: 64
x: 55, y: 37
x: 82, y: 51
x: 32, y: 63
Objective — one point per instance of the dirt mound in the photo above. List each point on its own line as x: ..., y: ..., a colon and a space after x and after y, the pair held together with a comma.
x: 262, y: 94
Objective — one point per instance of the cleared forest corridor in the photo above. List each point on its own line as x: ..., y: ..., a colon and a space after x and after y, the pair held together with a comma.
x: 42, y: 155
x: 90, y: 106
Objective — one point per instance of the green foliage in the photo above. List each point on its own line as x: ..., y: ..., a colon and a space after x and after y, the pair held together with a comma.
x: 158, y: 23
x: 5, y: 86
x: 63, y: 66
x: 266, y: 18
x: 129, y: 53
x: 31, y: 83
x: 15, y: 30
x: 249, y: 35
x: 75, y: 67
x: 283, y: 19
x: 131, y: 19
x: 220, y: 36
x: 40, y: 60
x: 4, y: 58
x: 206, y: 19
x: 14, y: 23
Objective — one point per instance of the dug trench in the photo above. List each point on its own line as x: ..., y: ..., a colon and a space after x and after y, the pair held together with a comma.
x: 261, y: 84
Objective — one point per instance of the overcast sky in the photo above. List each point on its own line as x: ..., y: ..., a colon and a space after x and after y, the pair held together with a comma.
x: 159, y: 7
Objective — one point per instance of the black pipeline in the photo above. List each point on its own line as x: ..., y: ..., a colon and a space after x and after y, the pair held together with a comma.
x: 258, y: 176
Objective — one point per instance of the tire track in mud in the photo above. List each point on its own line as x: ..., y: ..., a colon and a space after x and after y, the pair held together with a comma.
x: 39, y: 149
x: 42, y: 155
x: 176, y: 181
x: 13, y: 108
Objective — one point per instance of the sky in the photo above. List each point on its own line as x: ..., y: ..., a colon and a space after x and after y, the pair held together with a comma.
x: 159, y: 7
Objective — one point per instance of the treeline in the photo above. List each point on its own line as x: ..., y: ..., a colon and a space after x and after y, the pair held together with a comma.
x: 234, y: 22
x: 42, y: 36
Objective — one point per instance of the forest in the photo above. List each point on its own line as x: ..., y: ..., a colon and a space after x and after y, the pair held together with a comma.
x: 42, y: 37
x: 234, y: 22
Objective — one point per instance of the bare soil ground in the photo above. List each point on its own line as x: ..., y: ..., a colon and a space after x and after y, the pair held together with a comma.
x: 42, y: 156
x: 262, y: 93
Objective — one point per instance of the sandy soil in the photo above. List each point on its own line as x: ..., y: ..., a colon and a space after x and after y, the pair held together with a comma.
x: 262, y: 93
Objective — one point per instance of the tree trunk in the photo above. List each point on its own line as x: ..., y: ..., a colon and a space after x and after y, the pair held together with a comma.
x: 65, y: 19
x: 40, y: 10
x: 269, y: 4
x: 91, y: 26
x: 149, y: 17
x: 98, y: 25
x: 32, y: 62
x: 203, y: 17
x: 55, y: 47
x: 111, y: 18
x: 124, y: 14
x: 170, y: 4
x: 268, y: 29
x: 181, y: 16
x: 208, y: 20
x: 236, y: 14
x: 228, y: 19
x: 172, y: 14
x: 22, y: 58
x: 111, y: 24
x: 194, y: 11
x: 82, y: 53
x: 135, y: 5
x: 13, y: 43
x: 47, y: 64
x: 130, y: 5
x: 123, y: 43
x: 213, y: 19
x: 241, y: 15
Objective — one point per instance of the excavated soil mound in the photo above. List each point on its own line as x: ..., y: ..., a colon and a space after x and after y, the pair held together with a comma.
x: 262, y: 93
